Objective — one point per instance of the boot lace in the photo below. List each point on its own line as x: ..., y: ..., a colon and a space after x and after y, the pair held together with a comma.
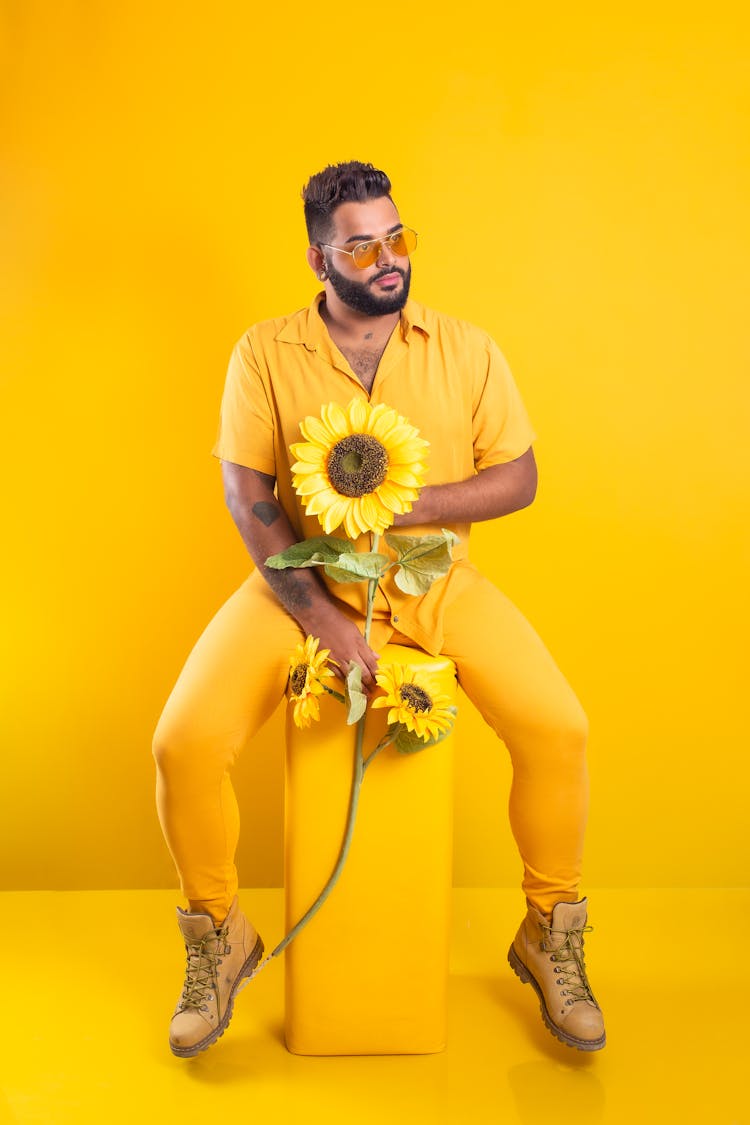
x: 201, y: 972
x: 570, y: 966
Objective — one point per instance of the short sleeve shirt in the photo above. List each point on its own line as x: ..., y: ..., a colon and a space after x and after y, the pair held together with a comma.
x: 445, y: 376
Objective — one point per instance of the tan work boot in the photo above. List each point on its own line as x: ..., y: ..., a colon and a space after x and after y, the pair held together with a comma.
x: 549, y: 957
x: 217, y: 960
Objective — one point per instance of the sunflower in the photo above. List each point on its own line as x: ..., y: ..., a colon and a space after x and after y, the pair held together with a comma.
x: 414, y: 701
x: 360, y: 465
x: 308, y: 671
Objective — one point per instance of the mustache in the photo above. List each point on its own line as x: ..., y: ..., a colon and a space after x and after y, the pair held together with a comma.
x: 384, y: 273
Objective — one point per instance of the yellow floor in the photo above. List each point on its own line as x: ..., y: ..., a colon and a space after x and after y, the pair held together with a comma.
x: 90, y: 978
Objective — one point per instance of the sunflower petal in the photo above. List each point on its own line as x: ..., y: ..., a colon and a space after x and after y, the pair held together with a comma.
x: 375, y: 416
x: 392, y: 498
x: 309, y: 453
x: 336, y: 420
x: 315, y: 431
x: 402, y: 475
x: 357, y: 413
x: 369, y: 510
x: 353, y: 523
x: 308, y: 483
x: 405, y: 455
x: 336, y: 513
x: 320, y: 501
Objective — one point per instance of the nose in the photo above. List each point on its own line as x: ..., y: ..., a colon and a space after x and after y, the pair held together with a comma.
x: 386, y: 255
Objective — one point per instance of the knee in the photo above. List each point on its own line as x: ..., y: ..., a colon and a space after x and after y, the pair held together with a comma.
x: 568, y: 735
x: 554, y: 740
x: 575, y: 725
x: 166, y: 747
x: 182, y: 750
x: 560, y: 720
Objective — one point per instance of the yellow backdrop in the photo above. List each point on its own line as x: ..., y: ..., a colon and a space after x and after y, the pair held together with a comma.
x: 580, y: 185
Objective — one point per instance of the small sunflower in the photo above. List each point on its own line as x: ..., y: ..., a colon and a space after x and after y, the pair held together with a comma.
x: 308, y: 671
x: 360, y: 465
x: 414, y: 701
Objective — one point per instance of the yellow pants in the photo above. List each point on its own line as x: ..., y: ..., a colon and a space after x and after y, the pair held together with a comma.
x: 236, y: 676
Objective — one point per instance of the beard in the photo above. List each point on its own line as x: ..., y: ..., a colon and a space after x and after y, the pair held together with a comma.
x: 358, y: 296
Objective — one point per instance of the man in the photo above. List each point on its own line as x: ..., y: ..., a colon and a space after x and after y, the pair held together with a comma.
x: 363, y: 337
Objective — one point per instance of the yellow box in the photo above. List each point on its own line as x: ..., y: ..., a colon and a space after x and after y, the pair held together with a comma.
x: 368, y: 974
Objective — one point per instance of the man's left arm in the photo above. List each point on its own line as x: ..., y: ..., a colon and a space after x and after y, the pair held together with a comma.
x: 492, y: 492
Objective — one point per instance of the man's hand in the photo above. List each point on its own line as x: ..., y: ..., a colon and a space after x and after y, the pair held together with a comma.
x: 345, y: 641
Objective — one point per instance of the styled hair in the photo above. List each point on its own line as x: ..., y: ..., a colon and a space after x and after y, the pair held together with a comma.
x: 337, y: 184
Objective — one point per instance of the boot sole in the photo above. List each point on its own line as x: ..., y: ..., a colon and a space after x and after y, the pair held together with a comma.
x: 526, y: 977
x: 246, y: 971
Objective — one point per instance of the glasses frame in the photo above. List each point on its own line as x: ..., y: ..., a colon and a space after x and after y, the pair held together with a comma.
x: 386, y: 240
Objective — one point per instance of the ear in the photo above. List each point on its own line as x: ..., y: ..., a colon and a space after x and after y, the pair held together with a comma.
x: 316, y: 260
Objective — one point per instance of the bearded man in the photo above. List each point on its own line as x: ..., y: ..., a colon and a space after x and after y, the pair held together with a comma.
x: 364, y: 337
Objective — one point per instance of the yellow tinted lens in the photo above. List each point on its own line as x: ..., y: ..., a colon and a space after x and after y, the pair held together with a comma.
x: 403, y: 241
x: 365, y: 253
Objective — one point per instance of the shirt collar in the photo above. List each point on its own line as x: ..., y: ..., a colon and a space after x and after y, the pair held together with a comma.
x: 307, y: 326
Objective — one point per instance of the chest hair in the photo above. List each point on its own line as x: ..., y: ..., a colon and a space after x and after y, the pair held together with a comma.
x: 364, y: 362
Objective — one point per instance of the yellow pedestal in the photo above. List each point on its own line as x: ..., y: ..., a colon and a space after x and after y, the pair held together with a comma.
x: 368, y: 975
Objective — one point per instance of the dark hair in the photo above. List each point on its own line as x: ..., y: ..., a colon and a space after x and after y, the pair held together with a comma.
x: 337, y: 184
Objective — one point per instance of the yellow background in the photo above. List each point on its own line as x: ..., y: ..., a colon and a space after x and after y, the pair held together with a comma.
x: 580, y: 184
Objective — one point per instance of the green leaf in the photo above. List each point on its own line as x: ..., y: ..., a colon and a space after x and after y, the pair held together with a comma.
x: 339, y: 575
x: 355, y: 567
x: 319, y: 551
x: 356, y: 700
x: 422, y: 559
x: 406, y: 742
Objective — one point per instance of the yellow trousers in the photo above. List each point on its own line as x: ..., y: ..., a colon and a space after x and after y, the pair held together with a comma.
x: 236, y: 676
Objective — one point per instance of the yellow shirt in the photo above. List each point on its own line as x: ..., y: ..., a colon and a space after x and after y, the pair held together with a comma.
x: 446, y: 377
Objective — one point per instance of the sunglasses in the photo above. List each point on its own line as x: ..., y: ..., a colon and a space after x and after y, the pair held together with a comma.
x: 364, y: 254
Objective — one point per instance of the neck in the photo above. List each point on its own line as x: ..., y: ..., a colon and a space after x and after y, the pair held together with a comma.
x: 342, y: 320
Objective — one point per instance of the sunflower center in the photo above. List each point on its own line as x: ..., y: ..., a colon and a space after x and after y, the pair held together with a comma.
x: 416, y: 698
x: 357, y: 464
x: 298, y: 679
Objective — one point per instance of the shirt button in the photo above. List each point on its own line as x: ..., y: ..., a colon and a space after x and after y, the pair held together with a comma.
x: 395, y: 620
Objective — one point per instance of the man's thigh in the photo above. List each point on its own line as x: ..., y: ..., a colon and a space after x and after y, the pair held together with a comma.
x: 505, y: 668
x: 237, y: 673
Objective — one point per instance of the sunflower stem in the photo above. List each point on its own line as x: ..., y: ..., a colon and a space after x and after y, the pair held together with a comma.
x: 372, y: 586
x: 345, y: 845
x: 360, y: 765
x: 335, y: 694
x: 388, y: 740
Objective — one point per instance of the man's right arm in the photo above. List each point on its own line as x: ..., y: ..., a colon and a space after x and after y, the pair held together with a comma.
x: 266, y: 530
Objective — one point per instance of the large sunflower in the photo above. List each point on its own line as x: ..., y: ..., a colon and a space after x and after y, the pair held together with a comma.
x: 360, y: 465
x: 308, y: 671
x: 414, y: 701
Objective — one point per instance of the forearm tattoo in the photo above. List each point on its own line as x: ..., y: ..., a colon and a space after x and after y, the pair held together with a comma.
x: 266, y: 512
x: 293, y: 593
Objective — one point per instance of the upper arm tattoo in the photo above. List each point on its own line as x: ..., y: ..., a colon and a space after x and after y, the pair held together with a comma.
x: 266, y: 512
